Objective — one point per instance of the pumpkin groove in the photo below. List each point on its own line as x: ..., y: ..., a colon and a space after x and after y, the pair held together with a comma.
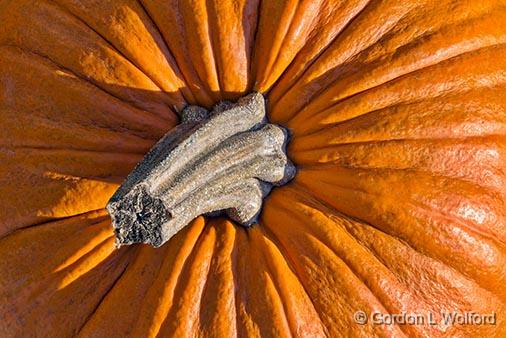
x: 398, y: 120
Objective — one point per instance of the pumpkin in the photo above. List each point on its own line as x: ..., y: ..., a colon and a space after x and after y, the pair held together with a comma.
x: 397, y: 115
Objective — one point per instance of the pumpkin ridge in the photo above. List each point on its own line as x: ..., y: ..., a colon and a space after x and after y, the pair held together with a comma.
x: 319, y: 207
x: 274, y: 97
x: 353, y: 273
x: 445, y: 240
x: 219, y: 291
x: 299, y: 187
x: 186, y: 91
x: 288, y: 259
x: 371, y: 7
x: 271, y: 274
x: 167, y: 279
x: 106, y: 293
x: 192, y: 266
x: 179, y: 95
x: 88, y: 82
x: 396, y: 79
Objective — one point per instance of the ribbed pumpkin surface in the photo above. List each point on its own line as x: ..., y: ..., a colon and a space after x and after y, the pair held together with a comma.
x: 398, y: 115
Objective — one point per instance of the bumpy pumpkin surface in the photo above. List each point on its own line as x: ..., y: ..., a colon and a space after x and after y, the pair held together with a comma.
x: 397, y: 111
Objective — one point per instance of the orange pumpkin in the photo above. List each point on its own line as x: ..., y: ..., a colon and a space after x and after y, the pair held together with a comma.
x: 398, y: 117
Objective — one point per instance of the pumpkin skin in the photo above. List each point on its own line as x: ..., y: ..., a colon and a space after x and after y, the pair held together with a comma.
x: 398, y: 120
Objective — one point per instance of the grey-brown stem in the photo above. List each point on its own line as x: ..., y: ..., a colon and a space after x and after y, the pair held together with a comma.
x: 226, y: 160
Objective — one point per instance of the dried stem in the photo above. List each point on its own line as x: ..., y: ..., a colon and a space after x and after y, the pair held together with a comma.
x: 226, y: 160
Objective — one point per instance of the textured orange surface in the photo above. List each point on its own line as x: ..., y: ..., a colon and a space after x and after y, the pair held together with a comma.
x: 398, y: 115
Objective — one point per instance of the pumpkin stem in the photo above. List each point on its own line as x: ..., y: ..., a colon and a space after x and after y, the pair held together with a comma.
x: 224, y: 161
